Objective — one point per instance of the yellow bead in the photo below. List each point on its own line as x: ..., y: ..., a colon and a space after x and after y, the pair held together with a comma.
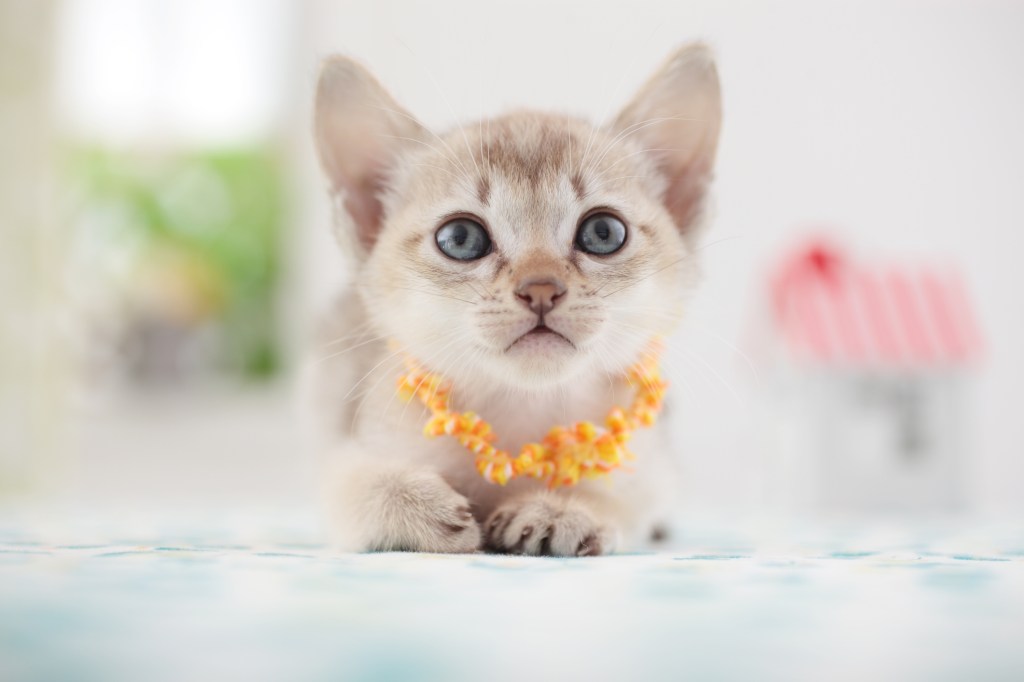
x: 586, y: 431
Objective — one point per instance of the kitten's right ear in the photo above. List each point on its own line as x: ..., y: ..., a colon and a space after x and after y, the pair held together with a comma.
x: 359, y: 129
x: 676, y: 118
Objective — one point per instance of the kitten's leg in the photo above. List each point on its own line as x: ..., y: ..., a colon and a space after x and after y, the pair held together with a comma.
x: 400, y: 507
x: 552, y: 524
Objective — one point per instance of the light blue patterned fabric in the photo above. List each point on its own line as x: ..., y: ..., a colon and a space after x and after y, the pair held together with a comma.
x: 207, y: 605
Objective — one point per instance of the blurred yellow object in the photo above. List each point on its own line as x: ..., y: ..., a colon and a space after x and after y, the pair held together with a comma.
x: 180, y: 284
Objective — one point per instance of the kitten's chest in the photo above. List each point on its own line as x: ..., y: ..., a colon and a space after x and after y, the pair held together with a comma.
x: 525, y: 419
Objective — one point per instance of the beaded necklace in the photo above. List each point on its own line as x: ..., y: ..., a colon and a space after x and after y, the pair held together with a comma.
x: 567, y: 453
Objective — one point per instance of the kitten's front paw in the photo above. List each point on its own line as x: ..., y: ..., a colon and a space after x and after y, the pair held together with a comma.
x: 415, y: 511
x: 547, y: 525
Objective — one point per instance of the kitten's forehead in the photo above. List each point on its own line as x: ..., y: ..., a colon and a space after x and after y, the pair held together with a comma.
x: 528, y: 149
x: 538, y: 149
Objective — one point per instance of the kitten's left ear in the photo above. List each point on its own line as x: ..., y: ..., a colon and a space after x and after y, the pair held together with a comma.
x: 360, y: 130
x: 676, y: 118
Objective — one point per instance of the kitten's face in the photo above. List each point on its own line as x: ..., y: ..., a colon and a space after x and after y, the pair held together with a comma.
x: 526, y: 249
x: 534, y: 306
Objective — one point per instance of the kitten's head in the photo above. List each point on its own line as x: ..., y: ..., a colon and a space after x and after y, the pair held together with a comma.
x: 527, y: 248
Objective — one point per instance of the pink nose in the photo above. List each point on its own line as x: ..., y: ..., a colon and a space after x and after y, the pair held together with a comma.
x: 540, y: 295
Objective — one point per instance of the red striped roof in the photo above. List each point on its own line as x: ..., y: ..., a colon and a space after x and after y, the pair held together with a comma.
x: 832, y: 309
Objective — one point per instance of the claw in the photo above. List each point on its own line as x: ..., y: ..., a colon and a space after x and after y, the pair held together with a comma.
x: 590, y: 546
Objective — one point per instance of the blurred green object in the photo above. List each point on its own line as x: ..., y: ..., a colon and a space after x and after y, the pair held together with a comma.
x: 196, y: 236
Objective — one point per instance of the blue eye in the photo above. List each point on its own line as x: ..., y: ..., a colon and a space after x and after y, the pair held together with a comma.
x: 601, y: 234
x: 463, y: 239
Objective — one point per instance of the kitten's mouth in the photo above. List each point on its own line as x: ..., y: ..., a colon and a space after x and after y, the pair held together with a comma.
x: 540, y: 336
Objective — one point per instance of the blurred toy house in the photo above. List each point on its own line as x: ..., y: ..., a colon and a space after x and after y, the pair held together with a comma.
x: 871, y: 365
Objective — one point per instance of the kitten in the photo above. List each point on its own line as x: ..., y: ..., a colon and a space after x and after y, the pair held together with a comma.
x: 529, y: 259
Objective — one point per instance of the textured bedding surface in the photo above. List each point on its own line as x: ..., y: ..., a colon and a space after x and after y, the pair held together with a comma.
x: 126, y: 600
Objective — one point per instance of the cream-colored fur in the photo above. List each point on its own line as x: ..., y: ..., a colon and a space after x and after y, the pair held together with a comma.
x: 529, y: 178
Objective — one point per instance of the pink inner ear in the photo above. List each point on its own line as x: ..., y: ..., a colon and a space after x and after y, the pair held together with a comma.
x: 684, y: 196
x: 363, y: 204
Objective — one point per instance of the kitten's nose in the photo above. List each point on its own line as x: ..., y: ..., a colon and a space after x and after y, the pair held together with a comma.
x: 540, y: 295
